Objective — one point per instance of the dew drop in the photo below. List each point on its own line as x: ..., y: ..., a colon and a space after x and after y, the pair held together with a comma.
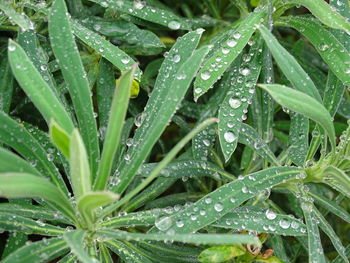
x: 229, y: 137
x: 163, y: 223
x: 179, y: 223
x: 218, y: 207
x: 205, y: 76
x: 231, y: 42
x: 284, y: 224
x: 270, y: 214
x: 176, y: 58
x: 234, y: 103
x: 174, y: 25
x: 125, y: 60
x: 11, y: 48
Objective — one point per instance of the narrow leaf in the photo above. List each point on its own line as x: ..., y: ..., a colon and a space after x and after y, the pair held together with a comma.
x: 75, y: 240
x: 303, y: 104
x: 223, y: 57
x: 60, y: 138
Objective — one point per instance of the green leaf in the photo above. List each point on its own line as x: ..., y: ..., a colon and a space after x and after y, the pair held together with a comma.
x: 250, y: 137
x: 127, y: 251
x: 75, y: 240
x: 337, y: 179
x: 10, y: 162
x: 315, y: 249
x: 223, y: 57
x: 233, y: 109
x: 331, y: 206
x: 20, y: 19
x: 16, y: 136
x: 327, y: 228
x: 219, y: 254
x: 67, y: 54
x: 148, y: 13
x: 14, y: 242
x: 228, y: 239
x: 263, y: 221
x: 325, y: 13
x: 107, y: 50
x: 166, y: 97
x: 114, y: 129
x: 19, y: 185
x: 33, y: 212
x: 303, y: 104
x: 89, y: 202
x: 289, y: 66
x: 6, y: 84
x: 227, y: 197
x: 327, y: 45
x: 37, y: 88
x: 60, y: 138
x: 13, y: 222
x: 79, y: 165
x: 38, y: 252
x: 298, y: 138
x: 105, y: 255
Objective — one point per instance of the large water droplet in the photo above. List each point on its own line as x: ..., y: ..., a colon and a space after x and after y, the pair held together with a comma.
x: 270, y: 214
x: 231, y: 42
x: 230, y: 137
x: 205, y: 76
x: 234, y: 103
x: 284, y: 224
x: 174, y: 25
x: 218, y: 207
x: 163, y: 223
x: 125, y: 60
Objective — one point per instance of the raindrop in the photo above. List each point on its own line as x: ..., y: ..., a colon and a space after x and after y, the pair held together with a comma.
x: 179, y: 223
x: 176, y: 58
x: 125, y: 60
x: 11, y: 48
x: 234, y: 103
x: 225, y: 51
x: 284, y: 224
x: 231, y: 42
x: 163, y: 223
x: 245, y: 71
x: 174, y: 25
x: 270, y: 214
x: 237, y: 35
x: 207, y: 200
x: 230, y: 137
x: 205, y: 76
x: 218, y: 207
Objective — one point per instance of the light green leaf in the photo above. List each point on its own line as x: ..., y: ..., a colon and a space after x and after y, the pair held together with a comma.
x: 75, y: 240
x: 13, y: 222
x: 79, y: 166
x: 326, y: 14
x: 37, y: 88
x: 67, y: 54
x: 217, y: 64
x: 60, y: 138
x: 337, y: 179
x: 227, y: 197
x: 303, y: 104
x: 327, y: 45
x: 19, y: 185
x: 38, y: 252
x: 114, y: 129
x: 89, y: 202
x: 228, y: 239
x: 20, y: 19
x: 107, y: 50
x: 289, y: 66
x: 6, y: 84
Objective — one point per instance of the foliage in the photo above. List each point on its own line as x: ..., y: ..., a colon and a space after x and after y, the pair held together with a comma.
x: 175, y: 131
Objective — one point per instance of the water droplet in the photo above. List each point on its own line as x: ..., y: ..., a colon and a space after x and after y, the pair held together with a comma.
x: 43, y: 67
x: 174, y: 25
x: 205, y: 76
x: 225, y: 51
x: 206, y: 142
x: 295, y: 225
x: 237, y: 35
x: 179, y: 223
x: 230, y: 137
x: 245, y: 190
x: 245, y: 71
x: 270, y: 214
x: 207, y: 200
x: 176, y: 58
x: 198, y: 90
x: 234, y: 103
x: 163, y: 223
x: 231, y: 42
x: 139, y: 5
x: 125, y: 60
x: 11, y: 48
x: 218, y: 207
x: 284, y: 224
